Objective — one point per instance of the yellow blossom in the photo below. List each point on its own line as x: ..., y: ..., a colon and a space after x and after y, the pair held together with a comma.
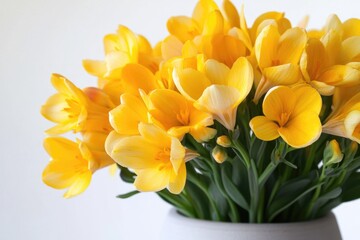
x: 72, y: 109
x: 278, y: 56
x: 223, y: 141
x: 218, y: 89
x: 178, y: 116
x: 344, y: 120
x: 157, y: 158
x: 71, y: 165
x: 219, y: 154
x: 292, y: 114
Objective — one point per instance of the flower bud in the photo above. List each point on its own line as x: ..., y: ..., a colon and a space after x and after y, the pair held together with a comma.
x: 332, y: 153
x: 219, y: 154
x: 223, y: 141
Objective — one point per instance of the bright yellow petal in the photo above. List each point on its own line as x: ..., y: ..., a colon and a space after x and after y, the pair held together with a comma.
x: 203, y: 134
x: 202, y: 9
x: 279, y: 100
x: 184, y: 28
x: 341, y: 75
x: 80, y: 184
x: 177, y: 154
x: 313, y: 60
x: 66, y: 87
x: 302, y: 130
x: 307, y: 99
x: 266, y: 46
x: 291, y: 46
x: 152, y: 180
x: 94, y: 67
x: 263, y: 17
x: 214, y: 24
x: 351, y: 28
x: 53, y: 109
x: 169, y: 108
x: 351, y: 50
x: 222, y: 102
x: 126, y: 117
x: 352, y: 125
x: 155, y: 135
x: 177, y: 181
x: 231, y: 14
x: 264, y: 128
x: 61, y: 148
x: 134, y: 152
x: 241, y: 76
x: 332, y: 44
x: 190, y: 83
x: 136, y: 76
x: 286, y: 74
x: 171, y: 47
x: 216, y: 72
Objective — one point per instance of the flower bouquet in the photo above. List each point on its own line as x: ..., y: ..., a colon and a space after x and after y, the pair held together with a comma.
x: 223, y: 121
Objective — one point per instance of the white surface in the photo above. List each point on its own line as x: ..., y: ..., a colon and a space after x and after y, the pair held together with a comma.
x: 42, y: 36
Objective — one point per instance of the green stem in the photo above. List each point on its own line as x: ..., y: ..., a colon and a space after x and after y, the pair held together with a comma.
x: 309, y: 213
x: 204, y: 189
x: 266, y: 174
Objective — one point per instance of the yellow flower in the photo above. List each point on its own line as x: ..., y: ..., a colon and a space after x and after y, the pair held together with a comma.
x: 218, y: 89
x: 72, y: 164
x: 177, y: 115
x: 223, y: 141
x: 120, y: 49
x: 157, y: 158
x: 278, y: 56
x: 292, y: 114
x: 72, y: 109
x: 344, y: 120
x: 219, y: 154
x: 126, y: 117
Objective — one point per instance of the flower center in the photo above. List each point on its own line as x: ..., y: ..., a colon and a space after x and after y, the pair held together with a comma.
x: 356, y: 132
x: 163, y: 155
x: 183, y: 117
x: 284, y: 118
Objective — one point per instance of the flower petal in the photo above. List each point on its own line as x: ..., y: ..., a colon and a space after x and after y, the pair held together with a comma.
x: 80, y: 184
x: 152, y: 180
x: 190, y: 83
x: 177, y: 181
x: 155, y: 135
x: 352, y: 125
x: 171, y: 47
x: 286, y: 74
x: 266, y: 45
x: 278, y: 100
x: 307, y: 99
x: 216, y: 72
x: 177, y: 154
x: 302, y: 130
x: 241, y: 76
x: 341, y: 75
x: 264, y: 128
x: 184, y: 28
x: 291, y: 45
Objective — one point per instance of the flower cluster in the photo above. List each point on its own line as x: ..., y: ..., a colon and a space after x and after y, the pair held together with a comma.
x: 211, y: 111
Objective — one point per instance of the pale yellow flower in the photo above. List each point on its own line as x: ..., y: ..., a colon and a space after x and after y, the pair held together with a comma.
x: 218, y: 89
x: 292, y: 114
x: 157, y: 158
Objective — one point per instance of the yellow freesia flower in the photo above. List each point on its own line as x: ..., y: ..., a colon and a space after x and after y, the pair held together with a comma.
x: 72, y: 109
x: 344, y: 120
x: 157, y: 158
x: 71, y: 165
x: 278, y: 56
x: 218, y: 89
x: 120, y: 49
x: 177, y: 115
x: 126, y: 117
x: 292, y: 114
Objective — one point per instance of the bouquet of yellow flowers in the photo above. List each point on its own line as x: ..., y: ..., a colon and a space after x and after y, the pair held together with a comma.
x: 223, y: 121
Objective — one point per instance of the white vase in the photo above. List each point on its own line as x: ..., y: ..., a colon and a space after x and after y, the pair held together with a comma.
x: 178, y: 227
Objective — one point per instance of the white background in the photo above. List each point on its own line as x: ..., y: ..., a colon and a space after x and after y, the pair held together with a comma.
x: 39, y: 37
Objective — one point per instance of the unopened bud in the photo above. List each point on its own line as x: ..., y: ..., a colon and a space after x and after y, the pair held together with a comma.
x: 223, y: 141
x: 332, y: 153
x: 219, y: 154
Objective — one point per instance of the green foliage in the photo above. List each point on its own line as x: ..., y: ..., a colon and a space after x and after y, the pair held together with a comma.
x: 263, y: 181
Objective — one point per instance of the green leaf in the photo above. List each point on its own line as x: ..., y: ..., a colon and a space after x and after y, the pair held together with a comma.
x: 322, y: 200
x: 230, y: 188
x: 127, y: 195
x: 293, y: 195
x: 126, y: 175
x: 351, y: 188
